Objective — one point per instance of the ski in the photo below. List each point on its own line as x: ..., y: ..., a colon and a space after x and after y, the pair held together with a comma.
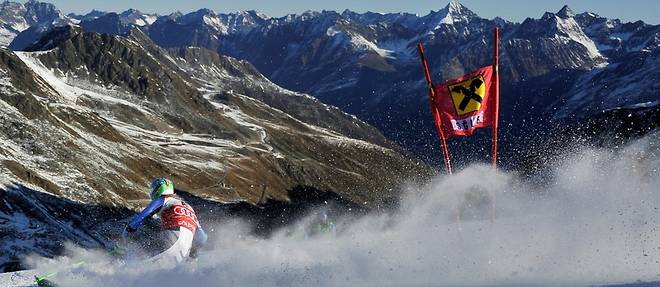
x: 45, y: 280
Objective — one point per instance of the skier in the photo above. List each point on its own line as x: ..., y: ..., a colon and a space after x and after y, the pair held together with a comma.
x: 178, y: 220
x: 322, y: 225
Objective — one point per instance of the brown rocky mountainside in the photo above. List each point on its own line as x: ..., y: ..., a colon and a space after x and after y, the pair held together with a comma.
x: 88, y: 119
x: 96, y: 117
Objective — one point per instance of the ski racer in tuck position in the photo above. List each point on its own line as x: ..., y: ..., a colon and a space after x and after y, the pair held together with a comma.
x: 178, y: 220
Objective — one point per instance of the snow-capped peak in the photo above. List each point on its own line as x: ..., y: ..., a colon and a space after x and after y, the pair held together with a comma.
x: 453, y: 13
x: 565, y: 12
x: 243, y: 20
x: 138, y: 18
x: 454, y: 7
x: 457, y: 13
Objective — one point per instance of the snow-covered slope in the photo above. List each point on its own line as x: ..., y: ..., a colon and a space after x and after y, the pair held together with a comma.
x: 18, y: 279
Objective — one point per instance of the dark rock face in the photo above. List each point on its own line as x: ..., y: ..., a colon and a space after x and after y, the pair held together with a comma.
x: 50, y: 38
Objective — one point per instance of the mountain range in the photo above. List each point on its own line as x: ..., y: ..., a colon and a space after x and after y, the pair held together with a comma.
x: 561, y: 67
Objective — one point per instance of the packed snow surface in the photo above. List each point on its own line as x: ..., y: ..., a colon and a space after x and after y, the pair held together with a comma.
x: 591, y: 220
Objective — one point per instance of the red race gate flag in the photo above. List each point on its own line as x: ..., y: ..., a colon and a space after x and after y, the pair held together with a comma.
x: 462, y: 105
x: 466, y: 103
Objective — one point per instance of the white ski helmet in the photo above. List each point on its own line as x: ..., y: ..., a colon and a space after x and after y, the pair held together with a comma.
x: 161, y: 186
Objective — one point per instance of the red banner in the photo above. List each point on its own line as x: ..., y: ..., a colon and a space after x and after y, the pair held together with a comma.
x: 465, y: 104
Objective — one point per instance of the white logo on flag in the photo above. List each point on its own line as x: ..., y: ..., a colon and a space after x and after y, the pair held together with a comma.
x: 467, y: 124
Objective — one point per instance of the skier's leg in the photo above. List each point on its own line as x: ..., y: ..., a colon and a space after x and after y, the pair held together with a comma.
x: 178, y: 252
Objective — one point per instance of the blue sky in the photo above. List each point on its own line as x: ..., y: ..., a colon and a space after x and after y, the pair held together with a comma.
x: 513, y: 10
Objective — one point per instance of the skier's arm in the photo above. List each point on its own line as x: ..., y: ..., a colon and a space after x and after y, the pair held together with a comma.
x: 148, y: 211
x: 200, y: 236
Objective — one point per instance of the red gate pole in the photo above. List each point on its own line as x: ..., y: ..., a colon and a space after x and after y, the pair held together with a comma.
x: 434, y: 110
x: 496, y: 74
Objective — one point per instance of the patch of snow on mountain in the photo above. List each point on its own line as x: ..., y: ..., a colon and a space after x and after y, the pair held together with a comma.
x: 6, y: 36
x: 240, y: 118
x: 20, y: 26
x: 358, y: 42
x: 646, y: 104
x: 624, y: 36
x: 140, y: 22
x: 65, y: 91
x: 332, y: 31
x: 202, y: 145
x: 71, y: 88
x: 150, y: 19
x: 361, y: 43
x: 338, y: 84
x: 572, y: 30
x: 343, y: 141
x: 398, y: 49
x: 215, y: 23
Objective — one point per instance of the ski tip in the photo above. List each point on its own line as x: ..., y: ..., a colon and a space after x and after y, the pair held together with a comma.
x: 43, y: 280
